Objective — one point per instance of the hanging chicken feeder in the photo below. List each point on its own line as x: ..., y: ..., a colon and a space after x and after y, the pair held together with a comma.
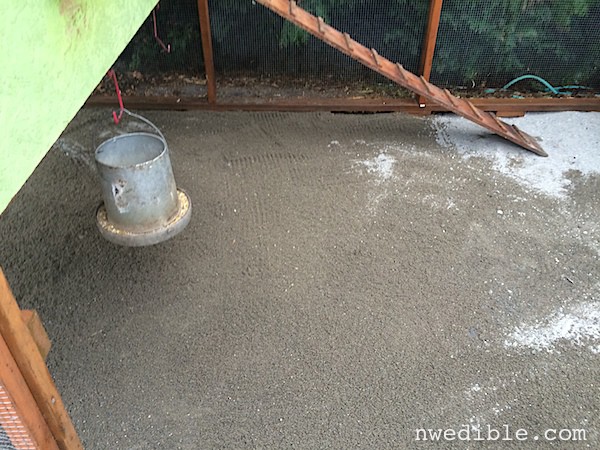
x: 142, y: 205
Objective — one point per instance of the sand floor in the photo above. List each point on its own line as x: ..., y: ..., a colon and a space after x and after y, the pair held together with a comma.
x: 345, y: 280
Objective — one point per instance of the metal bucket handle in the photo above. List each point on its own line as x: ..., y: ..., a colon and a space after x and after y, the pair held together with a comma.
x: 143, y: 119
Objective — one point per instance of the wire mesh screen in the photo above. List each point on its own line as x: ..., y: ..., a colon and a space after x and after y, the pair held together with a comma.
x: 258, y: 55
x: 249, y: 40
x: 146, y: 67
x: 483, y: 43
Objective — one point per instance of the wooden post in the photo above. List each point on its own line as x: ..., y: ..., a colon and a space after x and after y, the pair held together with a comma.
x: 38, y: 333
x: 433, y: 23
x: 207, y: 51
x: 33, y: 368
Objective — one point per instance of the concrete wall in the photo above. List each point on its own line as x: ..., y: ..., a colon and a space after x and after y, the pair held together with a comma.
x: 52, y: 55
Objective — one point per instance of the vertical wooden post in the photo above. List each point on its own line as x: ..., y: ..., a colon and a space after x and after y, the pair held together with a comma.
x: 207, y: 51
x: 33, y: 368
x: 433, y: 23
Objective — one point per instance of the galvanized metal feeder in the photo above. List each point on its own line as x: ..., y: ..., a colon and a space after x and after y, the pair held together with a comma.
x: 142, y: 205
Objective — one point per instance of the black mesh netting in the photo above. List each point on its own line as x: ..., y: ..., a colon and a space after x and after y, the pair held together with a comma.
x: 490, y: 43
x: 177, y: 26
x: 251, y: 41
x: 145, y: 68
x: 480, y: 44
x: 247, y: 36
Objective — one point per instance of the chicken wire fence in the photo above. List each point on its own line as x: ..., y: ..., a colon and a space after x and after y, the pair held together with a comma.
x: 480, y: 44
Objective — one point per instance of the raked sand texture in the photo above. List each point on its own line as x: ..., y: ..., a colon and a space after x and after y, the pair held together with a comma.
x: 345, y: 280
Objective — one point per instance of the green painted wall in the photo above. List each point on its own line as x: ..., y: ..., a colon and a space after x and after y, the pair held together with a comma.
x: 52, y: 55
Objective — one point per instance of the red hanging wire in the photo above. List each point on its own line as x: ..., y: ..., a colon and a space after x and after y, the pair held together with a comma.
x: 166, y: 48
x: 111, y: 74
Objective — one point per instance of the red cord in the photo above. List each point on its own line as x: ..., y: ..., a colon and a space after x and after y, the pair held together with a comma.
x: 111, y: 74
x: 166, y: 48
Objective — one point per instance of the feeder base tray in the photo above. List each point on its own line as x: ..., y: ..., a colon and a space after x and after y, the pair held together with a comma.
x: 139, y: 239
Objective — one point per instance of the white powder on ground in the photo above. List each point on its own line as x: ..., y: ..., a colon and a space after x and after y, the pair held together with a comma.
x: 74, y: 150
x: 382, y: 166
x: 571, y: 139
x: 580, y: 326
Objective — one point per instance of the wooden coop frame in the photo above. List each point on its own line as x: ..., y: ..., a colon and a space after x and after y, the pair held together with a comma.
x: 501, y: 107
x: 32, y: 413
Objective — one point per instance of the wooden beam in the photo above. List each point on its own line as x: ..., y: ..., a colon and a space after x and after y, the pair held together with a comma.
x: 31, y: 364
x: 506, y: 106
x: 207, y: 51
x: 20, y: 416
x: 38, y: 332
x: 428, y: 50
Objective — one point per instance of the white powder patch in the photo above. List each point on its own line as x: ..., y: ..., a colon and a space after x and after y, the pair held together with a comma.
x: 382, y: 166
x: 405, y: 150
x: 580, y: 326
x: 571, y: 139
x: 486, y: 401
x: 76, y: 151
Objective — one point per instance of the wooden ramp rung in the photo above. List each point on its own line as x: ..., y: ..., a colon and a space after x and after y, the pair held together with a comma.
x: 290, y: 11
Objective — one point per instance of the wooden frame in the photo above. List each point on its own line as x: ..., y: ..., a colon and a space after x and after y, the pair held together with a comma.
x: 503, y: 107
x: 207, y: 51
x: 30, y: 365
x: 433, y: 23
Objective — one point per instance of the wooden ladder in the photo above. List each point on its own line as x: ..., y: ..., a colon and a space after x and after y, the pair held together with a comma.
x: 289, y: 10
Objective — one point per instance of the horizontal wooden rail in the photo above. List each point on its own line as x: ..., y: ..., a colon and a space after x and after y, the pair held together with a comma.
x: 510, y: 106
